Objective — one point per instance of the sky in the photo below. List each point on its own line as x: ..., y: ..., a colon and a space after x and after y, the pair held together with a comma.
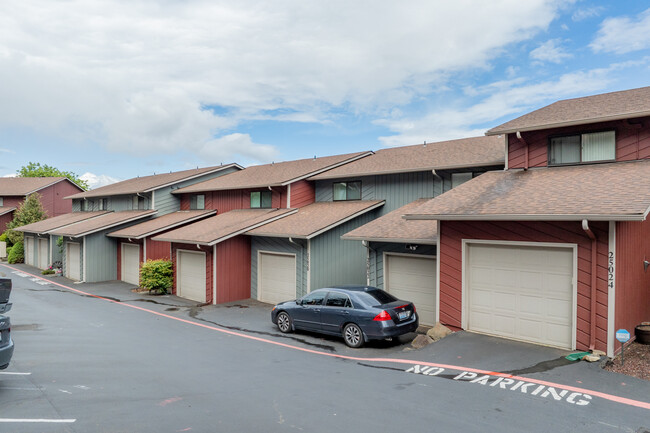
x: 112, y: 90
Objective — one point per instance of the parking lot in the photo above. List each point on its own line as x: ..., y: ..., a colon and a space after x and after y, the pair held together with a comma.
x: 100, y: 358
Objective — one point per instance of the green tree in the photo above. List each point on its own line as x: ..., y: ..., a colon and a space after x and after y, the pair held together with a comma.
x: 35, y: 169
x: 30, y: 211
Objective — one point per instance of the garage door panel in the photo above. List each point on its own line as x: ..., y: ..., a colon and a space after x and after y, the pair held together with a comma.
x: 413, y: 278
x: 73, y: 261
x: 277, y: 278
x: 131, y: 263
x: 528, y: 294
x: 43, y: 259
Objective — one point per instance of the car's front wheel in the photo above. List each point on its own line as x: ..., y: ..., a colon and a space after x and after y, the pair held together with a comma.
x: 353, y: 335
x: 284, y: 322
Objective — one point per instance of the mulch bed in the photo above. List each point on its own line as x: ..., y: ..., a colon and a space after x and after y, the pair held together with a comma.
x: 637, y: 361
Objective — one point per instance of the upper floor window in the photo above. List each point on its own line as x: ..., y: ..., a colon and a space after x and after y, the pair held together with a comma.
x: 197, y: 202
x: 347, y: 190
x: 2, y: 201
x: 138, y: 202
x: 102, y: 204
x: 573, y: 149
x: 460, y: 178
x: 261, y: 199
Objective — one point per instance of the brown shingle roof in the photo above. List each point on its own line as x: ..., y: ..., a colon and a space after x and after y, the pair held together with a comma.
x: 6, y: 209
x: 60, y: 221
x: 102, y: 222
x: 149, y: 183
x: 466, y: 152
x: 626, y: 104
x: 276, y: 174
x: 393, y: 228
x: 162, y: 223
x: 602, y: 192
x: 218, y: 228
x: 316, y: 218
x: 21, y: 186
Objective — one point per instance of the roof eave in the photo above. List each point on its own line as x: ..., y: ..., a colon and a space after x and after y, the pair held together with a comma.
x: 410, y: 170
x: 11, y: 209
x: 428, y: 241
x: 216, y: 170
x: 110, y: 226
x: 329, y: 167
x: 497, y: 131
x: 520, y: 217
x: 346, y: 219
x: 166, y: 228
x: 251, y: 227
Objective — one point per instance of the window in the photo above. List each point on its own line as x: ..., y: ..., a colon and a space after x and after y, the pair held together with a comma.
x: 138, y: 202
x: 2, y: 200
x: 573, y: 149
x: 102, y: 204
x: 261, y: 199
x: 460, y: 178
x: 315, y: 298
x: 336, y: 299
x: 84, y: 205
x: 347, y: 191
x: 197, y: 202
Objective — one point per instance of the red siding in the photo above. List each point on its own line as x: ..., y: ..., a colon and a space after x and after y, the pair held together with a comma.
x: 632, y: 142
x: 234, y: 269
x: 158, y: 250
x: 302, y: 194
x: 119, y: 254
x: 208, y: 266
x: 4, y: 220
x: 224, y: 201
x: 450, y: 255
x: 632, y: 281
x: 63, y: 189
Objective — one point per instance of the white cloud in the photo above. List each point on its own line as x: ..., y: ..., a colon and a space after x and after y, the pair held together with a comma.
x: 622, y: 35
x: 495, y: 101
x: 586, y: 13
x: 135, y: 76
x: 6, y: 151
x: 97, y: 180
x: 222, y: 149
x: 550, y: 51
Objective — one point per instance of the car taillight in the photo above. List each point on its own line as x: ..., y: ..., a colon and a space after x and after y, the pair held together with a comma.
x: 382, y: 316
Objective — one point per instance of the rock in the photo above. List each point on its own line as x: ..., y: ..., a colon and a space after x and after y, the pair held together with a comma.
x: 598, y: 353
x: 438, y: 332
x: 420, y: 341
x: 592, y: 358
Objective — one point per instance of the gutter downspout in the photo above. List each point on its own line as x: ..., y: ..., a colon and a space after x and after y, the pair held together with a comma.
x: 368, y: 249
x: 522, y: 141
x: 594, y: 268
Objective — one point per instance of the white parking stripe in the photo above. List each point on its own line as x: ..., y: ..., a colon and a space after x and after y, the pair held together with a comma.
x: 15, y: 373
x: 17, y: 420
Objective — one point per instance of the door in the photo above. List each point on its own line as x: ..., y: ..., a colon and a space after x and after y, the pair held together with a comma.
x: 336, y: 312
x: 73, y: 261
x: 413, y: 278
x: 307, y: 315
x: 277, y: 277
x: 29, y: 250
x: 131, y: 263
x: 522, y: 292
x: 43, y: 250
x: 191, y: 278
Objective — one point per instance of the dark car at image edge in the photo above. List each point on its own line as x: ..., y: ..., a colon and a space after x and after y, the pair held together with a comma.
x: 6, y: 343
x: 357, y: 313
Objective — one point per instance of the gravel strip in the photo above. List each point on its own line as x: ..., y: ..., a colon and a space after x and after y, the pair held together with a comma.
x: 637, y: 361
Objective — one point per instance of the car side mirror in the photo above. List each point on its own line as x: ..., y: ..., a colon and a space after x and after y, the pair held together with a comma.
x: 299, y: 301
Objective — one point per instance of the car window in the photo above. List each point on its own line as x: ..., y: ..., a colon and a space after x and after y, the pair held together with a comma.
x: 315, y: 298
x: 336, y: 299
x: 376, y: 297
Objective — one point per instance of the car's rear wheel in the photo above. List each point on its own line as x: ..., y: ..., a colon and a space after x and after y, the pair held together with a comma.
x: 353, y: 335
x: 284, y: 322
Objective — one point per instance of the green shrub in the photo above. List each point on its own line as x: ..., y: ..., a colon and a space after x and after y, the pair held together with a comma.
x: 47, y: 271
x: 16, y: 254
x: 156, y: 275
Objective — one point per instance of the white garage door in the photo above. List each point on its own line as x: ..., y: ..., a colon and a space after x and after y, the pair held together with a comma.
x: 520, y: 292
x: 73, y: 261
x: 191, y: 278
x: 413, y: 278
x: 277, y: 278
x: 29, y: 250
x: 131, y: 263
x: 43, y: 259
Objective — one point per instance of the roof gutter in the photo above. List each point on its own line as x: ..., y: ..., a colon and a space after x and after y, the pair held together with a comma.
x: 519, y: 217
x: 594, y: 269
